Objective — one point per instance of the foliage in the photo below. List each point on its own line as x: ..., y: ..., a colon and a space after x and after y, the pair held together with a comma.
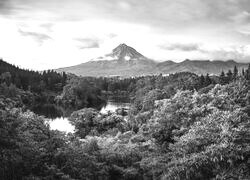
x: 31, y: 80
x: 80, y: 93
x: 89, y: 121
x: 27, y: 145
x: 205, y: 135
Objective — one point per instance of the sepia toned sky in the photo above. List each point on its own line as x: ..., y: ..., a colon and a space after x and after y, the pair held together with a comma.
x: 45, y: 34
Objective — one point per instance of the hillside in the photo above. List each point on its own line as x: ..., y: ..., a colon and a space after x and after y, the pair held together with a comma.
x: 31, y: 80
x: 199, y: 66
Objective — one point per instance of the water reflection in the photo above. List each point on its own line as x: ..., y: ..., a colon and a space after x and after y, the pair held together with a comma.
x: 48, y: 110
x: 58, y: 116
x: 52, y: 111
x: 113, y: 106
x: 61, y: 124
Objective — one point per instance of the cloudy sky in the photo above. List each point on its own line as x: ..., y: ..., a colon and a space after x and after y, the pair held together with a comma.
x: 44, y: 34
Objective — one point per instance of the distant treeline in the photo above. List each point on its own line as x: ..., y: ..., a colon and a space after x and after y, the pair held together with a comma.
x: 233, y: 74
x: 31, y: 80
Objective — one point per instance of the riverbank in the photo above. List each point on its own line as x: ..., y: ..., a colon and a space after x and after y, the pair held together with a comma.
x: 62, y: 123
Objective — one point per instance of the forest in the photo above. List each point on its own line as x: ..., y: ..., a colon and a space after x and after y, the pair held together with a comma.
x: 182, y: 126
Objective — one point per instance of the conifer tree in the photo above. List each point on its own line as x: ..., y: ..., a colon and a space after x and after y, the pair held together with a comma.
x: 222, y: 78
x: 235, y: 73
x: 247, y: 74
x: 202, y: 81
x: 208, y: 80
x: 229, y: 75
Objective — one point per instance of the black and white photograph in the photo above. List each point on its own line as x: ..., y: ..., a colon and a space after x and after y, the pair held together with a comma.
x: 124, y: 89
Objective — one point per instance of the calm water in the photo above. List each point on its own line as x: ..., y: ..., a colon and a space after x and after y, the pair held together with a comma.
x: 63, y: 124
x: 112, y: 106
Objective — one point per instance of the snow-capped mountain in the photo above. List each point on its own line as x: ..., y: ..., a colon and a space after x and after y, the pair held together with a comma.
x: 126, y: 61
x: 122, y: 61
x: 121, y: 52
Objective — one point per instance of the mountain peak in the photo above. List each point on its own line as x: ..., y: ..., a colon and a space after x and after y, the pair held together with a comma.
x: 122, y: 46
x: 125, y: 52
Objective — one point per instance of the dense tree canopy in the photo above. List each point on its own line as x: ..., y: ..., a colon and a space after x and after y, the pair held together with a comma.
x: 31, y: 80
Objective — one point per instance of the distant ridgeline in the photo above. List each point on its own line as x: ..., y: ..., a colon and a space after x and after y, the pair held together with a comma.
x: 125, y: 61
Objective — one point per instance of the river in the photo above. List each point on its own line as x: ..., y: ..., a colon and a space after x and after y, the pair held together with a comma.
x: 63, y: 124
x: 112, y: 106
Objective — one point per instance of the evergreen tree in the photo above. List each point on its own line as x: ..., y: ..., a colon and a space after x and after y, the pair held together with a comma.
x: 208, y: 80
x: 247, y: 74
x: 222, y: 78
x: 202, y: 81
x: 229, y: 75
x: 235, y: 73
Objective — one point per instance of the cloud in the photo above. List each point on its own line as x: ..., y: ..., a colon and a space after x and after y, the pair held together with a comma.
x: 4, y: 7
x: 239, y: 53
x: 181, y: 47
x: 39, y: 37
x: 112, y: 35
x: 87, y: 43
x: 124, y: 5
x: 166, y: 14
x: 233, y: 52
x: 13, y: 7
x: 242, y: 17
x: 194, y: 29
x: 47, y: 26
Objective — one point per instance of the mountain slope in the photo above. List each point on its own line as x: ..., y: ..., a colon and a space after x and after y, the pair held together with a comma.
x: 123, y: 61
x: 126, y: 61
x: 124, y: 52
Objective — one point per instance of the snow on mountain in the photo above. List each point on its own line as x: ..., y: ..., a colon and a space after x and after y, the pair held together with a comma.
x: 126, y: 61
x: 121, y: 52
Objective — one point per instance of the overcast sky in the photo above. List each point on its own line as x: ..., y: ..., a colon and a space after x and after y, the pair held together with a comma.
x: 44, y: 34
